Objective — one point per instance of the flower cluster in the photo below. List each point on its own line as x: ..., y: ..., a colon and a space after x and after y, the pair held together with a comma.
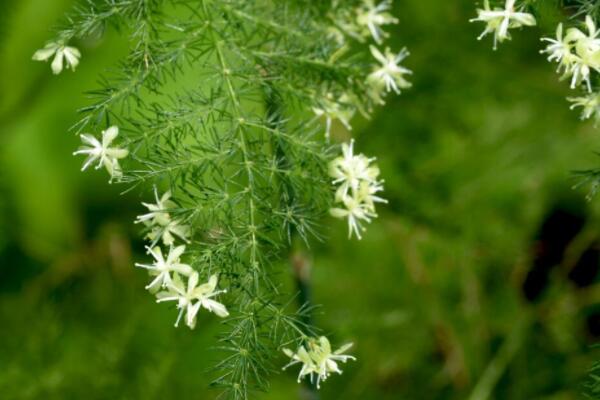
x: 387, y: 74
x: 168, y: 273
x: 499, y: 20
x: 577, y: 53
x: 100, y: 151
x: 61, y: 54
x: 318, y: 359
x: 357, y: 187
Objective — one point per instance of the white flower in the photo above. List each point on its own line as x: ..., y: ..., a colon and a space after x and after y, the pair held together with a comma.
x: 185, y: 297
x: 101, y: 152
x: 349, y: 170
x: 371, y: 17
x: 499, y: 20
x: 590, y: 105
x: 61, y: 53
x: 342, y: 110
x: 366, y: 194
x: 559, y: 50
x: 206, y: 292
x: 158, y: 214
x: 389, y: 75
x: 318, y: 360
x: 356, y: 212
x: 162, y: 268
x: 168, y: 232
x: 160, y: 222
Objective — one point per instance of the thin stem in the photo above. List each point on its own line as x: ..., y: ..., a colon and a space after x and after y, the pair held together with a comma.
x: 497, y: 366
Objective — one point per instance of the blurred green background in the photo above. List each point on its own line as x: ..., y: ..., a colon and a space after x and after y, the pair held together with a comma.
x: 478, y: 281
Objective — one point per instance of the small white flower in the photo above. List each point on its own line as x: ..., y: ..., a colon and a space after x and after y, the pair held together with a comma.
x: 185, y: 297
x: 61, y: 53
x: 499, y: 20
x: 326, y: 360
x: 160, y: 222
x: 318, y: 360
x: 559, y: 50
x: 349, y: 170
x: 390, y: 75
x: 371, y: 17
x: 158, y: 214
x: 301, y: 357
x: 102, y: 152
x: 162, y: 268
x: 356, y: 212
x: 590, y: 105
x: 206, y: 292
x: 168, y: 232
x: 342, y: 110
x: 367, y: 194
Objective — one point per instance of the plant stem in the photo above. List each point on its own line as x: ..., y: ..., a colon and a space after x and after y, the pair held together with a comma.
x: 497, y: 366
x: 301, y: 268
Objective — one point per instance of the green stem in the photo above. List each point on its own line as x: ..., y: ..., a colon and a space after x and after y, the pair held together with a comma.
x: 497, y: 366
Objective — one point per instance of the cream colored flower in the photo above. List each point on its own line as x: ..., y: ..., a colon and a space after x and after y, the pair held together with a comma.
x: 390, y: 75
x: 590, y: 105
x: 498, y: 21
x: 371, y: 18
x: 163, y: 268
x: 61, y: 54
x: 191, y: 297
x: 160, y: 222
x: 342, y: 110
x: 318, y: 359
x: 356, y: 213
x: 102, y: 152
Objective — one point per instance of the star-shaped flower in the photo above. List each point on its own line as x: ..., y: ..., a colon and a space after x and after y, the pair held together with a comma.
x: 390, y: 75
x: 590, y: 105
x: 349, y: 170
x: 325, y: 360
x: 499, y: 20
x: 158, y: 214
x: 318, y: 360
x: 168, y: 233
x: 301, y: 357
x: 160, y: 222
x: 102, y: 152
x: 61, y: 53
x: 559, y: 50
x: 191, y: 297
x: 162, y: 268
x: 342, y: 110
x: 356, y: 212
x: 371, y: 17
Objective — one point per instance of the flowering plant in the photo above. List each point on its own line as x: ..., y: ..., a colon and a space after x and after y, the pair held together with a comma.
x: 219, y: 110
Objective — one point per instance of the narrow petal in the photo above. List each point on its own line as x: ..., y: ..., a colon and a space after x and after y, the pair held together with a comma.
x: 215, y: 307
x: 57, y: 64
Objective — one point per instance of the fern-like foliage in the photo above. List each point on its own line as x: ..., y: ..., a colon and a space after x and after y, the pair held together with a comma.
x: 216, y: 105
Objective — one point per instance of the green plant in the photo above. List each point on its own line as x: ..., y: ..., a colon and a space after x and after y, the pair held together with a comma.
x: 218, y: 107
